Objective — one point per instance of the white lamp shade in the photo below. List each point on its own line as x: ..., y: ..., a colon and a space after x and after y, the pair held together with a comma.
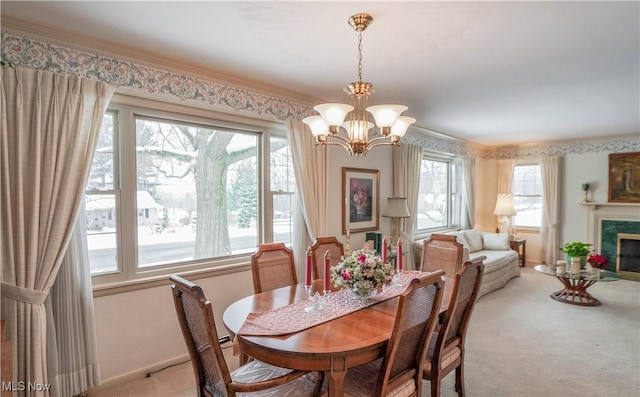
x: 386, y: 115
x: 333, y: 114
x: 504, y: 205
x: 316, y: 125
x: 399, y: 129
x: 396, y: 208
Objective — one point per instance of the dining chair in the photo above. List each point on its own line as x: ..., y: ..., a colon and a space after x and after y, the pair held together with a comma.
x: 446, y: 350
x: 273, y: 267
x: 318, y: 249
x: 213, y: 379
x: 399, y: 372
x: 442, y: 251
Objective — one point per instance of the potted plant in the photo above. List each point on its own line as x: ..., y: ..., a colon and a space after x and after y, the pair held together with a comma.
x: 577, y: 249
x: 597, y: 262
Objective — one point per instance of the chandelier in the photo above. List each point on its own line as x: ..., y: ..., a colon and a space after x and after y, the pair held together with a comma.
x: 392, y: 126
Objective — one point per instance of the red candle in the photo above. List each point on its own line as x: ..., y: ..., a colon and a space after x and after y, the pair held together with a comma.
x: 307, y: 274
x: 399, y: 257
x: 384, y: 249
x: 326, y: 275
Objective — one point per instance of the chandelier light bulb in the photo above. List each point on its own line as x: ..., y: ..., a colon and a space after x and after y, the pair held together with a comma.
x: 359, y: 129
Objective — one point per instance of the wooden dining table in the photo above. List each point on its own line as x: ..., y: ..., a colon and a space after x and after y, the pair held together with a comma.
x: 333, y: 346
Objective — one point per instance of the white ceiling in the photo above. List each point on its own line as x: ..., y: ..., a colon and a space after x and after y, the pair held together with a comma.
x: 490, y: 72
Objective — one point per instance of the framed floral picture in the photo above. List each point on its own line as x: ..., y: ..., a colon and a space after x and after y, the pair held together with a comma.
x: 360, y: 199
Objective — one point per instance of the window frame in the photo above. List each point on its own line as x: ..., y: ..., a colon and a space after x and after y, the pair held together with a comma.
x: 450, y: 160
x: 126, y: 109
x: 527, y: 229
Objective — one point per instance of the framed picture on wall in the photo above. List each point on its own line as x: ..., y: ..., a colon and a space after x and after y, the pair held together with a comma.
x: 624, y: 177
x: 360, y: 199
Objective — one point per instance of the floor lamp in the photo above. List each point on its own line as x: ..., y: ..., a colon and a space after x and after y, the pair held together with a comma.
x: 505, y: 209
x: 396, y: 208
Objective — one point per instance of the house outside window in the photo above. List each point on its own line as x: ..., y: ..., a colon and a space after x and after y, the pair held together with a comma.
x: 440, y: 194
x: 173, y: 192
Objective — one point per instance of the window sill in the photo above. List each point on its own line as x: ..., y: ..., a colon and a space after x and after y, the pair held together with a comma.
x: 114, y: 288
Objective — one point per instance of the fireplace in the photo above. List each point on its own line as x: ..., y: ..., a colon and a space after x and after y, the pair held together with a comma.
x: 628, y: 260
x: 609, y: 225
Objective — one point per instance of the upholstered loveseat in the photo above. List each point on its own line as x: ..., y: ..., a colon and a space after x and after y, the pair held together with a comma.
x: 501, y: 264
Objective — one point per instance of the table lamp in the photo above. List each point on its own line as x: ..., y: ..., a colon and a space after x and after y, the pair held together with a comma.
x: 396, y: 208
x: 505, y: 209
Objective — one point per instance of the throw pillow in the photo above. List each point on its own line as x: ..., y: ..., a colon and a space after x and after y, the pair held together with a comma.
x: 496, y: 241
x: 460, y: 238
x: 474, y: 238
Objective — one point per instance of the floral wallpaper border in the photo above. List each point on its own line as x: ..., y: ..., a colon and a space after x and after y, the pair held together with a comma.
x: 154, y: 80
x: 130, y: 75
x: 629, y: 143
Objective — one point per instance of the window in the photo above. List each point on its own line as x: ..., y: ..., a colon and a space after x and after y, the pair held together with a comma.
x: 527, y: 195
x: 440, y: 194
x: 174, y: 190
x: 283, y: 186
x: 102, y: 194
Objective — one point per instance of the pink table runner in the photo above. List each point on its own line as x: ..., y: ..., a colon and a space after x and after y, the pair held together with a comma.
x: 293, y: 318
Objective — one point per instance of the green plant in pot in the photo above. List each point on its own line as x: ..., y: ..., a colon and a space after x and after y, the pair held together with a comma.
x: 577, y: 249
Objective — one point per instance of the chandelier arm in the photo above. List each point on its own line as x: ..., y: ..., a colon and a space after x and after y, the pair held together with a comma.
x: 342, y: 145
x: 370, y: 146
x: 345, y: 140
x: 379, y: 138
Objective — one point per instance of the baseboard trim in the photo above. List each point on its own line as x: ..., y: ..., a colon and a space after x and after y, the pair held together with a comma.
x: 137, y: 374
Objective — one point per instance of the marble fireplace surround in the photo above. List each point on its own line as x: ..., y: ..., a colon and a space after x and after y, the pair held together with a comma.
x: 605, y: 221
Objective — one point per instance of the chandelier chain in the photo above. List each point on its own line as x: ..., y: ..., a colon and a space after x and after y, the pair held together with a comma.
x: 360, y: 56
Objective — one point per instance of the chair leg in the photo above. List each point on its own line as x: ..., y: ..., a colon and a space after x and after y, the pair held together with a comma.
x: 436, y: 385
x: 317, y: 391
x: 460, y: 379
x: 243, y: 359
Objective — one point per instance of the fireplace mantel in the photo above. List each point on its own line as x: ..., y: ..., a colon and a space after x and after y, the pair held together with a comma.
x: 598, y: 205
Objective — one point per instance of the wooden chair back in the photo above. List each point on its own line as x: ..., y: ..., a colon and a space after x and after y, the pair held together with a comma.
x: 195, y: 316
x: 318, y: 249
x: 273, y: 267
x: 442, y: 251
x: 213, y: 379
x: 416, y: 318
x: 446, y: 352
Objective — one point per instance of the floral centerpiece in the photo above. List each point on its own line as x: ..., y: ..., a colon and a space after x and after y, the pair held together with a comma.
x: 362, y: 272
x: 596, y: 260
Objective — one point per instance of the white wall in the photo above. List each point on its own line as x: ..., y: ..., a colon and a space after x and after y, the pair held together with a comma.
x: 592, y: 168
x: 138, y: 331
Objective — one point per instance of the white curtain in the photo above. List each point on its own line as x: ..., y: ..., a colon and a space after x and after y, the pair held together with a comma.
x: 71, y: 334
x: 407, y: 160
x: 468, y: 196
x: 49, y: 129
x: 310, y: 168
x: 505, y: 175
x: 505, y: 178
x: 550, y: 170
